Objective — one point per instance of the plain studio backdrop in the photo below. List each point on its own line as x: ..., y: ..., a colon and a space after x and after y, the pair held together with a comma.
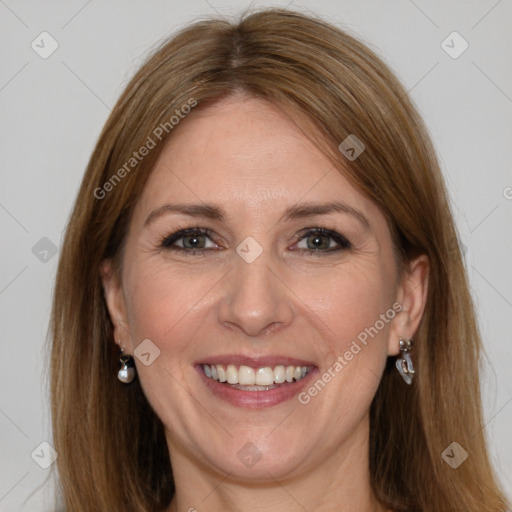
x: 63, y: 66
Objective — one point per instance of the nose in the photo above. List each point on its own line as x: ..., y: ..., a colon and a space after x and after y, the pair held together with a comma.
x: 255, y: 298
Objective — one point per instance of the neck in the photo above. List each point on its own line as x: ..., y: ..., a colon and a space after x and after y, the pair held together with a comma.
x: 341, y: 483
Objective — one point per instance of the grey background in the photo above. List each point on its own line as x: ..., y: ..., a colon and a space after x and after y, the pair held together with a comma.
x: 52, y: 111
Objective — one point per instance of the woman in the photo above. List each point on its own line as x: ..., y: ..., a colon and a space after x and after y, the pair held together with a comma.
x: 259, y: 304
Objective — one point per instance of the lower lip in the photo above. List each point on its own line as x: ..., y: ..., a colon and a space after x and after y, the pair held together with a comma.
x: 256, y: 399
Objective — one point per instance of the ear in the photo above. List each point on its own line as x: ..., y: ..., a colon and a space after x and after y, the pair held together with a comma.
x: 116, y: 304
x: 412, y: 295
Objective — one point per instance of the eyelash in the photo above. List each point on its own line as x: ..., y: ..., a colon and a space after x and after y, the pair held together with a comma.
x: 168, y: 241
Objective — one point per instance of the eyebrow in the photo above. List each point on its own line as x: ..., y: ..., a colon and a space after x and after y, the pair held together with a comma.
x: 297, y: 211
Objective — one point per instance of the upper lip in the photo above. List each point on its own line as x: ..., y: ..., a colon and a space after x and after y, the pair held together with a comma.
x: 254, y: 362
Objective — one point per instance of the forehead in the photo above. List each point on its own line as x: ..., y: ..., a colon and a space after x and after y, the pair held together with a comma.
x: 248, y: 155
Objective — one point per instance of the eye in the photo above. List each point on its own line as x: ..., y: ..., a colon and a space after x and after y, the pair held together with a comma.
x: 189, y: 241
x: 315, y: 241
x: 318, y: 240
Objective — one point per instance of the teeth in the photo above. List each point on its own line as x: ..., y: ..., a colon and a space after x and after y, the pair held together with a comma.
x: 279, y: 374
x: 231, y: 374
x: 264, y: 376
x: 246, y: 376
x: 252, y: 379
x: 253, y: 388
x: 221, y: 373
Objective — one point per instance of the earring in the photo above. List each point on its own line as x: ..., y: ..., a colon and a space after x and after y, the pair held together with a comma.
x: 127, y: 371
x: 404, y: 362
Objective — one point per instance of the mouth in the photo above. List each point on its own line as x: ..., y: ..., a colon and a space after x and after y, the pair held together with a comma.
x: 247, y: 378
x: 255, y: 383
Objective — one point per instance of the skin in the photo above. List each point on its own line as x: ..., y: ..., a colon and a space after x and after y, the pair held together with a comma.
x: 246, y: 156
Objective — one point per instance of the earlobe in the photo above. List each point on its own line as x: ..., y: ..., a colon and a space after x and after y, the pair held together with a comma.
x: 114, y: 300
x: 412, y: 295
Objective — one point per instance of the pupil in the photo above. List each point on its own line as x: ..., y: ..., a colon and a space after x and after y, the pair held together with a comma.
x: 193, y: 241
x: 317, y: 241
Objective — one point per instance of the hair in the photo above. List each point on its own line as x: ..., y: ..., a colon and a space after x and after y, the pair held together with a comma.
x: 111, y: 444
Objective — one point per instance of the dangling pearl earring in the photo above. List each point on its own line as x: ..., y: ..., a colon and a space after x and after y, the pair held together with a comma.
x: 404, y: 362
x: 126, y: 373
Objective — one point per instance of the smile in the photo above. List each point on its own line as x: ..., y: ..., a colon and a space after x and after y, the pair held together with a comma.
x: 248, y: 378
x: 255, y: 383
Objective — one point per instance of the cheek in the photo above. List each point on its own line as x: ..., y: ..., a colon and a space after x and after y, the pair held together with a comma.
x: 161, y: 301
x: 355, y: 304
x: 349, y: 300
x: 164, y: 306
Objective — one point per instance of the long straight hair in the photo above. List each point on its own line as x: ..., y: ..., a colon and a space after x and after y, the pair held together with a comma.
x: 112, y: 450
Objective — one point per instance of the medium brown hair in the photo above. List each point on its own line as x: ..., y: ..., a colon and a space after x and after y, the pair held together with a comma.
x: 112, y: 450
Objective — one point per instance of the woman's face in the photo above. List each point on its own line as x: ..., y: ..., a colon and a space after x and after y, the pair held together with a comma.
x: 256, y: 286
